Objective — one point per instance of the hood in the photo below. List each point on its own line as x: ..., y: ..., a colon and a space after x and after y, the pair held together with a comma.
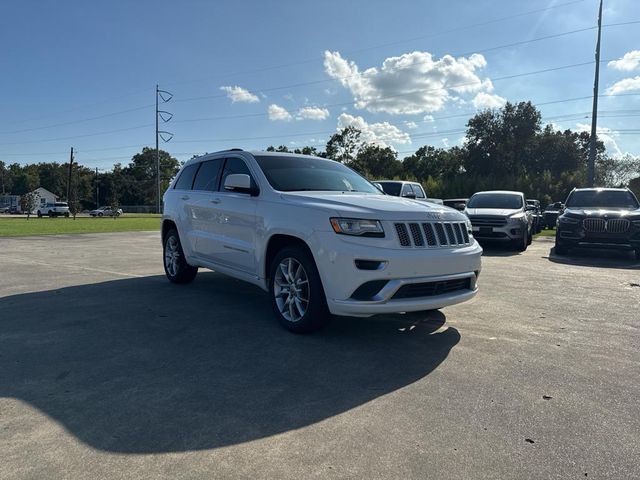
x: 378, y: 207
x: 497, y: 212
x: 602, y: 212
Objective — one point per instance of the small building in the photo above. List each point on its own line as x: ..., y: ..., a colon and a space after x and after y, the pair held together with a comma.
x: 8, y: 201
x: 45, y: 196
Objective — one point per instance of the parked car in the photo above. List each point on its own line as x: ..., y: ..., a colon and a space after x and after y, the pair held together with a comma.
x: 57, y: 209
x: 317, y: 236
x: 536, y: 213
x: 413, y: 190
x: 551, y: 213
x: 501, y: 215
x: 105, y: 212
x: 4, y: 209
x: 457, y: 203
x: 14, y: 210
x: 600, y: 218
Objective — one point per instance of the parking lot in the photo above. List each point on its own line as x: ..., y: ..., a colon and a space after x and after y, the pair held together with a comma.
x: 109, y: 371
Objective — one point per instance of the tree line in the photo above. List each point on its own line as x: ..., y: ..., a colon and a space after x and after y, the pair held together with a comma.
x: 506, y: 148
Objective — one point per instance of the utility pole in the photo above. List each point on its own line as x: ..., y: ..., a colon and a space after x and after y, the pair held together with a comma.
x: 97, y: 190
x: 591, y: 167
x: 69, y: 175
x: 164, y: 135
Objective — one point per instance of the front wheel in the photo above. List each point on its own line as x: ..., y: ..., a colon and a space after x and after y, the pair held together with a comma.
x: 297, y: 296
x: 51, y: 214
x: 66, y: 214
x: 39, y: 214
x: 175, y: 264
x: 521, y: 244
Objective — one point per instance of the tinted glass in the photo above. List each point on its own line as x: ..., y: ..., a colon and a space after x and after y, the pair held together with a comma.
x: 495, y: 200
x: 602, y: 198
x: 186, y: 177
x: 407, y: 190
x: 234, y: 165
x: 417, y: 189
x: 296, y: 174
x: 208, y: 176
x: 61, y: 204
x: 391, y: 188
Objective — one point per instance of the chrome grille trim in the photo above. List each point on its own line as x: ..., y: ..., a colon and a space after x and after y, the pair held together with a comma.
x: 487, y: 221
x: 432, y: 234
x: 600, y: 225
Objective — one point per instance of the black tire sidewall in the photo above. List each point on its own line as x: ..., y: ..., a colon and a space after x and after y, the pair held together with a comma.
x: 317, y: 314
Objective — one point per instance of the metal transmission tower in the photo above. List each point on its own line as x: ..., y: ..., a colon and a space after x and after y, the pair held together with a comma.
x: 591, y: 167
x: 164, y: 96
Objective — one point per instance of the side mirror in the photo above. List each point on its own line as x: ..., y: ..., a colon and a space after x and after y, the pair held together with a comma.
x: 409, y: 195
x: 240, y: 182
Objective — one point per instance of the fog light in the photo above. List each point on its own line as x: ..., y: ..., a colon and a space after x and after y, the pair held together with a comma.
x: 369, y: 264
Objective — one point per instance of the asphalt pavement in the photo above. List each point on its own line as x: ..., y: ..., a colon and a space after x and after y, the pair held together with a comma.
x: 109, y: 371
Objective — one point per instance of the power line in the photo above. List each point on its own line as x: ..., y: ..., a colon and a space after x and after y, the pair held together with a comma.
x: 135, y: 109
x: 384, y: 45
x: 137, y: 127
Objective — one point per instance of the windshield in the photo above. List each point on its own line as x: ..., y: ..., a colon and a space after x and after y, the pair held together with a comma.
x: 391, y: 188
x: 602, y: 198
x: 508, y: 201
x: 296, y: 174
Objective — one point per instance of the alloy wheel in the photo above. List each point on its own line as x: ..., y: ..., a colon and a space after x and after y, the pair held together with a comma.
x: 171, y: 256
x: 291, y: 289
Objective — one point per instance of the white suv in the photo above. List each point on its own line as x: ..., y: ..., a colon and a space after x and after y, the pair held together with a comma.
x: 317, y: 236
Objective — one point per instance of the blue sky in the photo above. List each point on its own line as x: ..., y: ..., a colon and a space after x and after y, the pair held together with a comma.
x: 405, y: 72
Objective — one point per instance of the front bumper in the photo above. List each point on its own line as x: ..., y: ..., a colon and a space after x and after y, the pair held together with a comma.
x: 506, y: 233
x: 577, y: 237
x: 336, y: 257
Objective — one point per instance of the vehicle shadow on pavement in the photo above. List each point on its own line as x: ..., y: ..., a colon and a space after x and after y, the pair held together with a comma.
x: 497, y: 249
x: 587, y: 257
x: 144, y: 366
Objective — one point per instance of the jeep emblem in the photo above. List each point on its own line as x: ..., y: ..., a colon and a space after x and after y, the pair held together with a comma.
x: 434, y: 216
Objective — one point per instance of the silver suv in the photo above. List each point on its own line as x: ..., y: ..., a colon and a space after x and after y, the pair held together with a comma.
x: 501, y: 215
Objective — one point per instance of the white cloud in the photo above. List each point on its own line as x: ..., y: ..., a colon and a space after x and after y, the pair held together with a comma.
x: 239, y: 94
x: 312, y: 113
x: 445, y: 142
x: 625, y: 85
x: 409, y: 84
x: 630, y: 61
x: 276, y: 112
x: 488, y: 100
x: 411, y: 125
x: 382, y: 134
x: 605, y: 134
x: 429, y: 118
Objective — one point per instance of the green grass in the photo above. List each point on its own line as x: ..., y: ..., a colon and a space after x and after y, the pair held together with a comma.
x: 547, y: 233
x: 18, y: 227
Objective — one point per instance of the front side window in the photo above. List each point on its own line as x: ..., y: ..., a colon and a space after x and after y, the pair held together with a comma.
x: 208, y: 175
x: 507, y: 201
x: 298, y: 174
x: 417, y: 189
x: 186, y: 178
x: 407, y: 190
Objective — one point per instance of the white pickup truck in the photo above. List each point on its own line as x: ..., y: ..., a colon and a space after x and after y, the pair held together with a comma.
x: 317, y: 236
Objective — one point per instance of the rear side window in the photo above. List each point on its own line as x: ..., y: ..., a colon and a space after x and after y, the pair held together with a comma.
x: 186, y: 177
x: 234, y: 165
x: 208, y: 176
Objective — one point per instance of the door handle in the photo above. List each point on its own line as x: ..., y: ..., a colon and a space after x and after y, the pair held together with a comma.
x: 185, y: 197
x: 215, y: 200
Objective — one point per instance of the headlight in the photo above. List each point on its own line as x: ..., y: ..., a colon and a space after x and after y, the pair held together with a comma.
x: 517, y: 217
x: 356, y: 226
x: 469, y: 226
x: 569, y: 220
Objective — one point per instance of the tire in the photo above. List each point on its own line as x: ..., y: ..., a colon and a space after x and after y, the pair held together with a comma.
x: 39, y: 214
x: 307, y: 312
x: 521, y: 244
x: 529, y: 238
x: 51, y: 214
x: 66, y: 214
x: 638, y: 254
x: 175, y: 265
x: 560, y: 249
x: 100, y: 214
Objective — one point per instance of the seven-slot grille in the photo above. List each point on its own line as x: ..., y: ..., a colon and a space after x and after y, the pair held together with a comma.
x: 487, y: 221
x: 432, y: 234
x: 600, y: 225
